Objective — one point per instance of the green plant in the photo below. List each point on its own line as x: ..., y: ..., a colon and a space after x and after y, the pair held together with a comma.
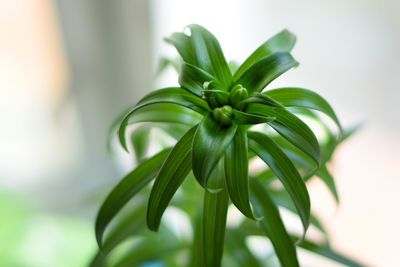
x: 222, y: 118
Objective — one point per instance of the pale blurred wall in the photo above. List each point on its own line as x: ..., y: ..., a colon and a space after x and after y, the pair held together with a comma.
x: 348, y: 52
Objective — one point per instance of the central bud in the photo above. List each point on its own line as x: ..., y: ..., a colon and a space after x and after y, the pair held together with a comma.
x: 238, y: 94
x: 223, y: 115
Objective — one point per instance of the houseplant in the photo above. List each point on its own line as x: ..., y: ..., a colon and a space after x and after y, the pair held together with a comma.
x: 222, y: 118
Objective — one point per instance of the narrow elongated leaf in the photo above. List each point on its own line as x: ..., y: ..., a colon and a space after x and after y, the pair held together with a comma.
x: 247, y: 118
x: 183, y: 45
x: 126, y: 189
x: 283, y: 41
x: 172, y: 173
x: 209, y: 54
x: 327, y: 178
x: 327, y: 252
x: 282, y: 198
x: 173, y: 95
x: 237, y: 171
x: 272, y: 225
x: 209, y: 144
x: 290, y: 127
x: 192, y: 78
x: 140, y: 141
x: 299, y: 97
x: 260, y: 74
x: 197, y: 253
x: 214, y: 220
x: 284, y: 169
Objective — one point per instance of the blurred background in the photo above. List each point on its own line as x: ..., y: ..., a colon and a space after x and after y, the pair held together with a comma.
x: 69, y: 67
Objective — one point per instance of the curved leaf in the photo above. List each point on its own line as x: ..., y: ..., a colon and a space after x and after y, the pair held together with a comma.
x: 173, y: 95
x: 237, y: 171
x: 272, y: 225
x: 172, y: 173
x: 328, y: 180
x: 140, y: 142
x: 209, y: 144
x: 327, y: 252
x: 284, y: 169
x: 209, y: 54
x: 183, y: 45
x: 299, y: 97
x: 192, y: 78
x: 290, y: 127
x: 126, y: 189
x: 260, y: 74
x: 283, y: 41
x: 214, y: 220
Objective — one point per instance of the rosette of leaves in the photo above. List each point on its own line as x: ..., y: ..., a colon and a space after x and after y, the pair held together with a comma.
x: 223, y: 117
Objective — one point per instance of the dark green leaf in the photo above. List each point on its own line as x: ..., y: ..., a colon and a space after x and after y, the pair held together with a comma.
x: 260, y: 74
x: 192, y: 78
x: 214, y: 220
x: 183, y: 45
x: 290, y: 127
x: 173, y: 95
x: 209, y: 54
x: 284, y: 169
x: 299, y: 97
x: 126, y: 189
x: 272, y: 225
x: 236, y: 172
x: 172, y: 173
x: 209, y: 144
x: 281, y: 42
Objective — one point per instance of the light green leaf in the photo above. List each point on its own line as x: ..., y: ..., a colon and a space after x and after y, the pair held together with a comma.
x: 214, y: 220
x: 327, y: 252
x: 283, y: 41
x: 126, y: 189
x: 236, y: 172
x: 140, y: 141
x: 238, y: 249
x: 272, y: 225
x: 299, y: 97
x: 172, y: 173
x: 209, y: 55
x: 249, y: 119
x: 173, y: 95
x: 209, y: 144
x: 290, y: 127
x: 284, y: 169
x: 183, y: 45
x: 328, y: 180
x: 260, y: 74
x: 192, y: 78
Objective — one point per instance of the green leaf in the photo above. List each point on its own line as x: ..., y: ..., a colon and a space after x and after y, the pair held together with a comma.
x: 247, y: 118
x: 140, y: 141
x: 236, y: 172
x: 183, y: 45
x: 290, y: 127
x: 273, y: 225
x: 214, y: 220
x: 173, y: 95
x: 327, y: 252
x: 209, y: 144
x: 327, y: 178
x: 260, y: 74
x: 192, y: 78
x: 283, y: 41
x: 282, y: 198
x: 299, y: 97
x: 209, y: 54
x: 171, y: 175
x: 284, y: 169
x: 126, y: 189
